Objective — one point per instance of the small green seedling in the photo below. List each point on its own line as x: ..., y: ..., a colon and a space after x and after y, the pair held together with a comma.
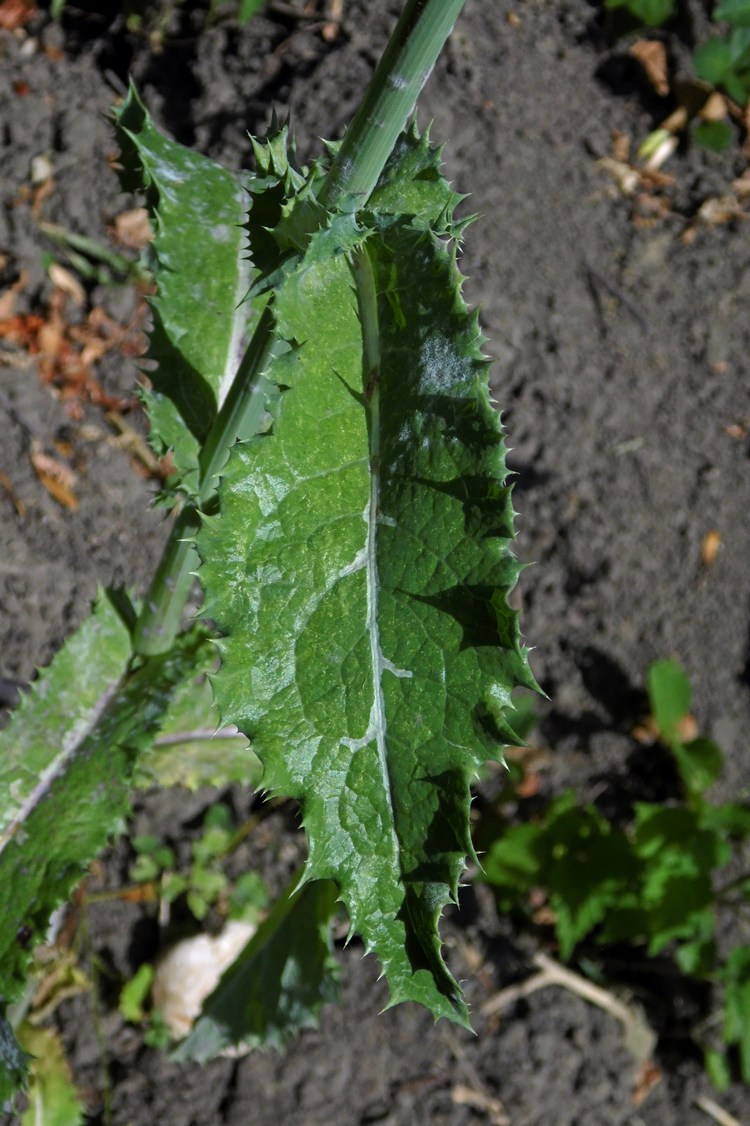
x: 648, y: 13
x: 654, y: 882
x: 724, y: 60
x: 205, y: 882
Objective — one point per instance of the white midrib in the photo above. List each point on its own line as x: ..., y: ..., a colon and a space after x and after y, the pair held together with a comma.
x: 378, y: 719
x: 235, y: 344
x: 371, y: 355
x: 56, y: 769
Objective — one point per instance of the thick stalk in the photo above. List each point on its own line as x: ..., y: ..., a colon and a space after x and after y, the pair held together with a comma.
x: 390, y: 98
x: 405, y: 66
x: 240, y: 415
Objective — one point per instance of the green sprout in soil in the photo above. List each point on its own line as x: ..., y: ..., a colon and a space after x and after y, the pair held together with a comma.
x: 661, y: 883
x: 715, y: 95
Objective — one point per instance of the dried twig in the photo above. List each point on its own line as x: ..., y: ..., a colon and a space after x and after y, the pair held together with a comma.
x: 713, y: 1110
x: 618, y: 292
x: 477, y: 1100
x: 640, y: 1038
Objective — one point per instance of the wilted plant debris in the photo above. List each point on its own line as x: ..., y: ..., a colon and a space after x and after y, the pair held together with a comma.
x: 65, y: 350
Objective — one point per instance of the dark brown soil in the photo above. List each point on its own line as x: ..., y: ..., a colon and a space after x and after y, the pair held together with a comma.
x: 621, y: 352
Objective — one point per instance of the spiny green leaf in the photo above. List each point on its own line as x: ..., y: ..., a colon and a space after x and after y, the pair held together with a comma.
x: 192, y: 749
x: 67, y: 758
x: 413, y: 185
x: 14, y: 1066
x: 53, y: 1098
x: 360, y: 572
x: 203, y: 274
x: 278, y: 983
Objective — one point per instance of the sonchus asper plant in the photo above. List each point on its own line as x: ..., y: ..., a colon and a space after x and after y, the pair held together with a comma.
x: 342, y: 496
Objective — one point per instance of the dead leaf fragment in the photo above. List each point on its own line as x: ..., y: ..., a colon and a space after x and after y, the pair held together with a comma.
x: 620, y: 146
x: 7, y: 486
x: 715, y: 107
x: 8, y: 297
x: 652, y: 56
x: 132, y: 228
x: 710, y: 547
x: 687, y: 728
x: 57, y: 477
x: 494, y: 1110
x: 16, y: 13
x: 41, y: 169
x: 68, y: 283
x: 647, y: 1078
x: 626, y: 178
x: 332, y: 26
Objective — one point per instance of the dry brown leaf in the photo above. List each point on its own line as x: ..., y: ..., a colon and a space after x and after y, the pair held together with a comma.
x: 646, y: 732
x: 710, y: 547
x: 334, y: 16
x: 741, y: 187
x: 715, y: 107
x: 652, y: 56
x: 647, y: 1078
x: 626, y: 178
x: 8, y: 297
x: 620, y: 146
x: 16, y: 13
x: 132, y: 228
x: 7, y: 485
x: 687, y: 728
x: 529, y: 786
x: 463, y: 1095
x: 57, y: 477
x: 68, y: 283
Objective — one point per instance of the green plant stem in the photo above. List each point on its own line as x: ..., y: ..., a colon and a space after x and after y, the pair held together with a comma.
x: 405, y: 66
x: 390, y: 98
x: 241, y: 414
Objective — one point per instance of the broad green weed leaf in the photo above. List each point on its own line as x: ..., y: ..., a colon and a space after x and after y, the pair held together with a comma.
x: 717, y: 1068
x: 714, y: 135
x: 653, y: 13
x: 61, y: 707
x: 279, y: 982
x: 201, y: 321
x: 359, y: 573
x: 731, y: 820
x: 679, y: 857
x: 511, y: 864
x: 14, y: 1062
x: 669, y: 695
x: 735, y: 977
x: 736, y: 12
x: 588, y: 867
x: 726, y: 62
x: 53, y: 1098
x: 700, y: 763
x: 66, y: 761
x: 247, y: 9
x: 192, y: 749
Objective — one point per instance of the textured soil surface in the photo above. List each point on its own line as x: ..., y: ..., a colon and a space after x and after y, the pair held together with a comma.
x: 619, y: 330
